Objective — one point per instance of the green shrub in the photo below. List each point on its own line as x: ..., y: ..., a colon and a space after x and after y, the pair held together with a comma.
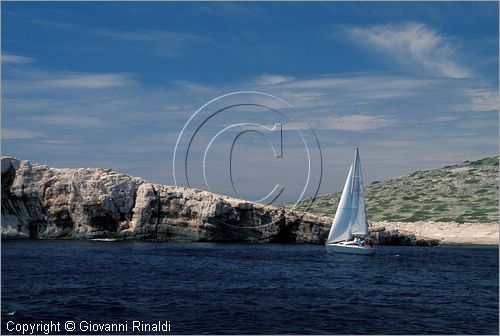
x: 411, y: 197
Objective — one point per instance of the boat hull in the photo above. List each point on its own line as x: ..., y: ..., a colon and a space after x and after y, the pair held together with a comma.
x: 350, y: 249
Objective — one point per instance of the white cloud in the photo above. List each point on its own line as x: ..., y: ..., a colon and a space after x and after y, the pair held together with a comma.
x: 147, y: 35
x: 109, y: 127
x: 88, y: 81
x: 363, y: 86
x: 70, y: 120
x: 11, y: 134
x: 413, y: 45
x: 482, y: 100
x: 61, y: 142
x: 163, y: 42
x: 272, y: 79
x: 357, y: 122
x: 354, y: 122
x: 32, y: 80
x: 15, y: 59
x: 444, y: 119
x: 192, y: 86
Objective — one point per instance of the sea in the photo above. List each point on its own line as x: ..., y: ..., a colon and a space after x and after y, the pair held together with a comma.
x: 213, y: 288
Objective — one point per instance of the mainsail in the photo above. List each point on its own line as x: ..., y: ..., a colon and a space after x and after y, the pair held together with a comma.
x: 350, y: 218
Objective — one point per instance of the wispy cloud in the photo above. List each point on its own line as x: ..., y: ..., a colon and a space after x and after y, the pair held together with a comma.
x: 355, y: 122
x: 82, y: 121
x: 59, y: 101
x: 107, y: 127
x: 191, y: 86
x: 370, y: 86
x: 55, y: 24
x: 269, y: 79
x: 482, y: 100
x: 88, y: 81
x: 15, y: 59
x: 60, y: 142
x: 146, y: 35
x: 444, y: 119
x: 412, y: 45
x: 33, y: 79
x: 14, y: 134
x: 164, y: 42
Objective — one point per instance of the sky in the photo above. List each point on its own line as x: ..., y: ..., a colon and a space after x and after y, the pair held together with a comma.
x: 124, y: 85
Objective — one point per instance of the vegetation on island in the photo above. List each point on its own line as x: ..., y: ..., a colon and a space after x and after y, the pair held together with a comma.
x: 463, y: 193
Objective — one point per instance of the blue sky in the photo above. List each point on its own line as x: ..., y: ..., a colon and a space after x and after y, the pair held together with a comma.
x: 414, y: 85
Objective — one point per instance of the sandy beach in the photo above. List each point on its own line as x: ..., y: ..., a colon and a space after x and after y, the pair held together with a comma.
x: 448, y: 233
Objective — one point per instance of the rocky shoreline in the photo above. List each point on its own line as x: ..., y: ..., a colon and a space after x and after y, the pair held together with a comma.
x: 39, y: 202
x: 447, y: 233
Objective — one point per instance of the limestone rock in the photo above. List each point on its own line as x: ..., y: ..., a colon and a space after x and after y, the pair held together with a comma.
x: 43, y: 202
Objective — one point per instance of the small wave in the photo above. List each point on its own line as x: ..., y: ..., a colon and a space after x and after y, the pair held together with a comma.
x: 105, y: 239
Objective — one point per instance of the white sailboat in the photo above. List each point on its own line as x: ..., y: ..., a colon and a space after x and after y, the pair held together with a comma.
x: 350, y: 219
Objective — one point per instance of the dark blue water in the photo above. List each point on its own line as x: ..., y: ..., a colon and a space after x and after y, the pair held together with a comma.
x: 204, y: 288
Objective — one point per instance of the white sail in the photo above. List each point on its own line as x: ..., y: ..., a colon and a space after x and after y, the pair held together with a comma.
x: 340, y: 229
x: 359, y: 224
x: 350, y: 218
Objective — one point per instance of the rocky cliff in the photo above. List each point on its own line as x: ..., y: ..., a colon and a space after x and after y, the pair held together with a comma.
x: 43, y: 202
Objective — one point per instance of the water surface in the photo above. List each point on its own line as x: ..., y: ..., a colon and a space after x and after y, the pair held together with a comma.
x: 206, y: 288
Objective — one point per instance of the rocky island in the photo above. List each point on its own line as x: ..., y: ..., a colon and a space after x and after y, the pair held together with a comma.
x: 40, y: 202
